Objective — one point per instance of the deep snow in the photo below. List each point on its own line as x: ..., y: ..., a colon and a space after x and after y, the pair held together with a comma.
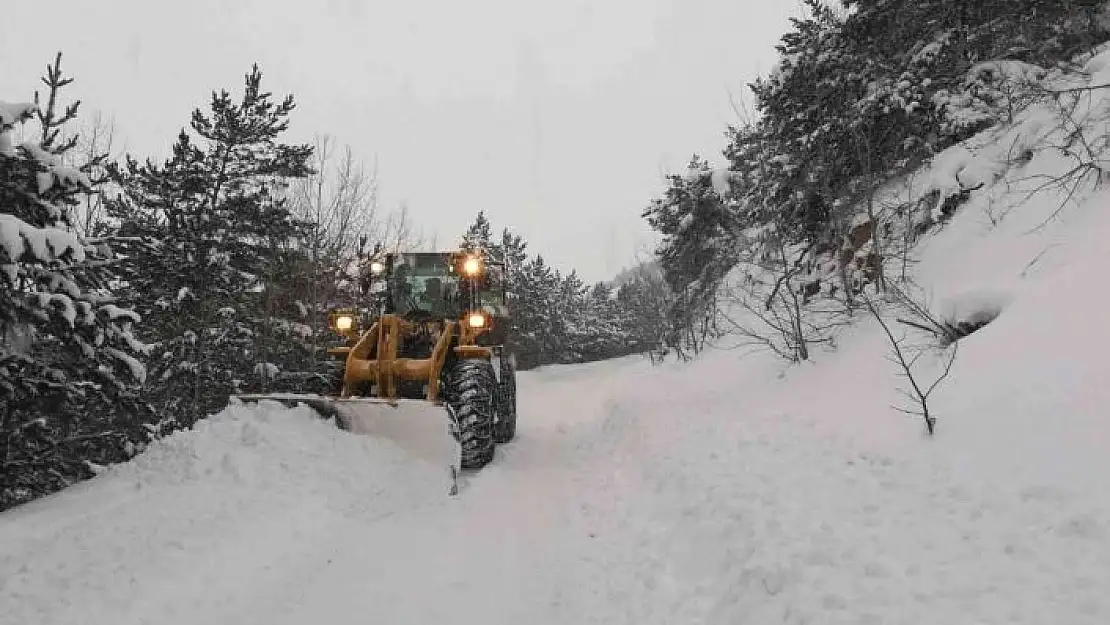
x: 725, y: 490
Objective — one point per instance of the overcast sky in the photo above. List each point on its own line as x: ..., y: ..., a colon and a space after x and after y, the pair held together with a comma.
x: 558, y: 118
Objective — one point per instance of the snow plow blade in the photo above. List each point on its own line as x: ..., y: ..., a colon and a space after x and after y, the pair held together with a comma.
x: 418, y: 427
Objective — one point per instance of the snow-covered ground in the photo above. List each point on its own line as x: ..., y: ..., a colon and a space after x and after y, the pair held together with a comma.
x: 725, y: 490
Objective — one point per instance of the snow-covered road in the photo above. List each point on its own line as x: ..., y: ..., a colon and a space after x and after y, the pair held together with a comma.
x: 537, y: 537
x: 622, y: 501
x: 267, y: 515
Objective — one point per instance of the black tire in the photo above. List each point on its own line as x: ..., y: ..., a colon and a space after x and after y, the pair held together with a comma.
x: 504, y: 430
x: 468, y: 388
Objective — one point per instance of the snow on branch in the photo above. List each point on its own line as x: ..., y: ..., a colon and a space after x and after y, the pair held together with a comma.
x: 115, y: 313
x: 18, y: 238
x: 12, y: 113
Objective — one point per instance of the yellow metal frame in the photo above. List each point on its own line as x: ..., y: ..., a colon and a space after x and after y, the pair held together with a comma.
x: 373, y: 358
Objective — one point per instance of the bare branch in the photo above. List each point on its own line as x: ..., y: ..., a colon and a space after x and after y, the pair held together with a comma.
x: 919, y: 396
x: 1079, y: 89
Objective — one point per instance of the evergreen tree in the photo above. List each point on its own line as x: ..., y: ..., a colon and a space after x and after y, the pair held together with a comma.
x: 538, y: 286
x: 604, y: 328
x: 643, y: 301
x: 556, y: 318
x: 512, y: 251
x: 69, y: 362
x: 697, y: 250
x: 567, y: 332
x: 858, y: 97
x: 479, y: 236
x: 225, y: 241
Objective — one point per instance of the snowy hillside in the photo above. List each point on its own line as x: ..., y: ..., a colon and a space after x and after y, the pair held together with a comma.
x: 731, y: 489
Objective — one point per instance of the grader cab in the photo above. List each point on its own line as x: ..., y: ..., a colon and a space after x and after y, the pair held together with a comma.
x: 431, y: 334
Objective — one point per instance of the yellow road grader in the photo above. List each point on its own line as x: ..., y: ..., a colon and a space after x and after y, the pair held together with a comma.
x: 425, y: 364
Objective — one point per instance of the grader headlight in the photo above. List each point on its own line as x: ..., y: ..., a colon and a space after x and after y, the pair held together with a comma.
x: 472, y: 266
x: 377, y: 268
x: 342, y: 322
x: 476, y: 320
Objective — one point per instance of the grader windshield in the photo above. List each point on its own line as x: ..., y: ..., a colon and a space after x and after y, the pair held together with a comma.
x: 431, y: 284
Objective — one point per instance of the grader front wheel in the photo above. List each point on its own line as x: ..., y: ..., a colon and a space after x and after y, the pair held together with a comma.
x: 468, y: 388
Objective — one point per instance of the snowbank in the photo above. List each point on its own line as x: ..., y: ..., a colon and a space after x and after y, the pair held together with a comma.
x: 254, y: 488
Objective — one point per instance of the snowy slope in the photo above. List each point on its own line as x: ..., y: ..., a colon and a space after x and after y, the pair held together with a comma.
x: 726, y: 490
x: 819, y: 503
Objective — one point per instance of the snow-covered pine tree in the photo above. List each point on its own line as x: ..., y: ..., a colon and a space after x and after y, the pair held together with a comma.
x: 644, y: 303
x: 539, y: 289
x: 857, y: 97
x: 603, y: 327
x: 224, y: 239
x: 556, y: 318
x: 567, y: 332
x: 69, y: 362
x: 863, y: 95
x: 512, y: 250
x: 479, y: 236
x: 697, y: 250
